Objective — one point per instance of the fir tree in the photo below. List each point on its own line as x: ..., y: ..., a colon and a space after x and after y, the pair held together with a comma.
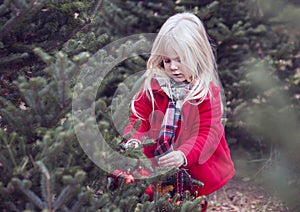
x: 45, y: 44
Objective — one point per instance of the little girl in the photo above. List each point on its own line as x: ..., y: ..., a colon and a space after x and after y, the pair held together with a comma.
x: 180, y: 105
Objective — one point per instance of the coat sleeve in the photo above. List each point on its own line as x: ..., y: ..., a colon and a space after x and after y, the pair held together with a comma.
x: 143, y: 108
x: 205, y: 132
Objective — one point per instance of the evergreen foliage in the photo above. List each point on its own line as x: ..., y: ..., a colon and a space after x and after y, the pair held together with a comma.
x: 45, y: 44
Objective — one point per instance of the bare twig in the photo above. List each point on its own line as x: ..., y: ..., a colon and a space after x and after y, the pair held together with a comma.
x: 265, y: 207
x: 229, y: 201
x: 97, y: 8
x: 265, y: 164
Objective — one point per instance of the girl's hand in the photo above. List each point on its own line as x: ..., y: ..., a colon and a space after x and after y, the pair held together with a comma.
x: 172, y: 159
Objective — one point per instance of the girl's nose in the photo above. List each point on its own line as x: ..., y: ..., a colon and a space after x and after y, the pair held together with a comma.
x: 173, y: 65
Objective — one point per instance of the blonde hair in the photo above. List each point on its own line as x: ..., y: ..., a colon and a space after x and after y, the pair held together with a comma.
x: 185, y: 33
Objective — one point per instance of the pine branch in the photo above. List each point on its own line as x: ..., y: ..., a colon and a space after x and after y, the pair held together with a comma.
x: 19, y: 4
x: 118, y: 115
x: 21, y: 169
x: 4, y: 6
x: 5, y: 163
x: 13, y: 146
x: 9, y: 149
x: 28, y: 193
x: 63, y: 81
x: 32, y: 8
x: 66, y: 194
x: 12, y: 207
x: 17, y: 119
x: 63, y: 71
x: 54, y: 146
x: 45, y: 184
x: 14, y: 58
x: 43, y: 55
x: 36, y: 103
x: 82, y: 198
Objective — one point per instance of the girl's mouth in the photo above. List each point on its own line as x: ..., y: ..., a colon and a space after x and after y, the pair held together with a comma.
x: 178, y: 75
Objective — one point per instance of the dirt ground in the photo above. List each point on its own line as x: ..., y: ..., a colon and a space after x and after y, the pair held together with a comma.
x: 242, y: 196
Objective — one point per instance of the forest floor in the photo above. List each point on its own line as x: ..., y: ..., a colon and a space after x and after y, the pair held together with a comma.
x: 244, y: 196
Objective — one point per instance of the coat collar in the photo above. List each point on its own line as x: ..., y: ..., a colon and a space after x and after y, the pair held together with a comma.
x: 157, y: 89
x: 155, y: 86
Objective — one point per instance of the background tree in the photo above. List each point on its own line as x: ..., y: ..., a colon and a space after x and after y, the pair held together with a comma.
x: 44, y: 45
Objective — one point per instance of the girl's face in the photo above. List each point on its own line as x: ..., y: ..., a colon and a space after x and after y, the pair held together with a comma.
x: 174, y: 68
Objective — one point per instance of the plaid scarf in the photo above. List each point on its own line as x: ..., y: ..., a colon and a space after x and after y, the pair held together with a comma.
x: 176, y: 93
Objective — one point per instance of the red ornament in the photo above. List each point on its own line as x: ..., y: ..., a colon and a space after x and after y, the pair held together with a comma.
x: 178, y: 202
x: 150, y: 191
x: 175, y: 203
x: 128, y: 177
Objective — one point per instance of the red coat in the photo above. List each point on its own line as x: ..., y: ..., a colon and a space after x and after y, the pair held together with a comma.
x: 200, y: 136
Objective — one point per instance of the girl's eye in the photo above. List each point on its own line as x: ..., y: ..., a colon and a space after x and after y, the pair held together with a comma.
x: 167, y: 60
